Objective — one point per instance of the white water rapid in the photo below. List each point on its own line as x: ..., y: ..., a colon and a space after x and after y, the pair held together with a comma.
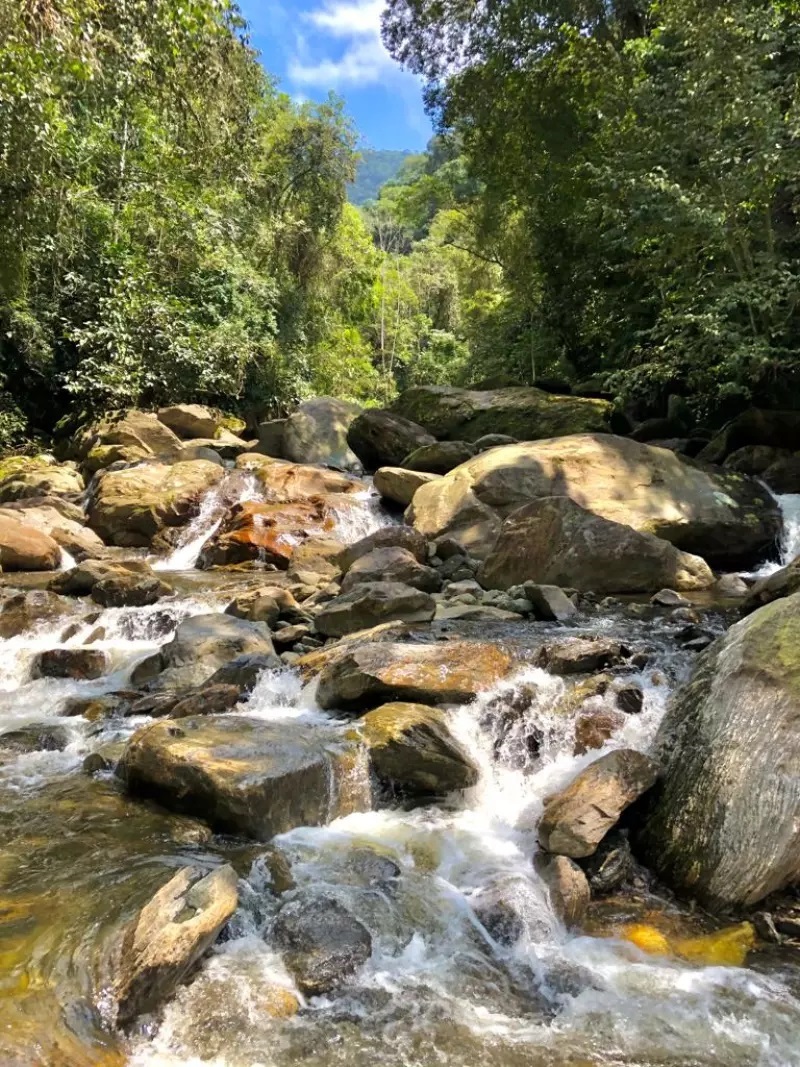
x: 790, y: 539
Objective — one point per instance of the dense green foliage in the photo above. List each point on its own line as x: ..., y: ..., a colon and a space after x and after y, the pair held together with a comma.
x: 638, y: 162
x: 375, y: 167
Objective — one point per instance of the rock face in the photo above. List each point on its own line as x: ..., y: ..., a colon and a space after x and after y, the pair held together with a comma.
x: 725, y: 518
x: 413, y: 753
x: 556, y: 541
x: 241, y: 775
x: 317, y: 433
x: 371, y: 603
x: 391, y: 565
x: 168, y: 936
x: 24, y: 548
x: 370, y: 674
x: 725, y: 819
x: 525, y: 413
x: 320, y: 941
x: 190, y: 421
x: 577, y: 819
x: 399, y: 485
x: 384, y: 439
x: 129, y: 507
x: 201, y: 645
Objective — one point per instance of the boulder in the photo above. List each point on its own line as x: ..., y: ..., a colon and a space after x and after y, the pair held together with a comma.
x: 581, y: 655
x: 550, y: 602
x: 524, y: 413
x: 317, y: 433
x: 783, y: 476
x: 367, y: 674
x: 555, y: 541
x: 293, y: 482
x: 413, y: 753
x: 78, y: 663
x: 24, y: 548
x: 611, y: 864
x: 242, y: 775
x: 129, y: 507
x: 69, y: 534
x: 387, y: 537
x: 383, y: 439
x: 399, y: 485
x: 318, y: 555
x: 190, y: 421
x: 268, y: 533
x: 493, y: 440
x: 576, y: 819
x: 162, y: 944
x: 726, y: 518
x: 35, y: 737
x: 567, y: 887
x: 129, y: 590
x: 23, y: 611
x: 51, y: 480
x: 439, y: 458
x: 784, y: 582
x: 370, y: 603
x: 81, y: 580
x: 138, y: 431
x: 260, y: 605
x: 594, y: 727
x: 724, y: 825
x: 754, y: 459
x: 271, y: 437
x: 391, y: 565
x: 201, y: 645
x: 320, y: 942
x: 777, y: 429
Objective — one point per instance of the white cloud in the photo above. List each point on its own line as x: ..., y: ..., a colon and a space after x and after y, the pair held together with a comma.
x: 344, y: 47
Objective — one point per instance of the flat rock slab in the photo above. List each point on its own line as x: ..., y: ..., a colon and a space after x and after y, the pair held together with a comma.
x: 245, y: 775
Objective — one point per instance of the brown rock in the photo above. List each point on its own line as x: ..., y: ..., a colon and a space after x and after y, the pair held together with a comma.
x: 567, y: 887
x: 399, y: 485
x: 391, y: 565
x: 190, y: 421
x: 371, y: 603
x: 76, y: 663
x: 24, y: 548
x: 581, y: 655
x: 594, y: 728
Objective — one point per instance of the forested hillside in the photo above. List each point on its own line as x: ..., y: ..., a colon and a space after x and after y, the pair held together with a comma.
x: 374, y: 169
x: 611, y: 201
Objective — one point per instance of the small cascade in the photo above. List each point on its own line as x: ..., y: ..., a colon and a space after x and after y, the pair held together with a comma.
x: 236, y: 487
x: 790, y: 536
x: 360, y: 515
x: 68, y: 561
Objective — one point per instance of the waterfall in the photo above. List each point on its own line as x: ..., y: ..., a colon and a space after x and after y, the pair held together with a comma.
x: 789, y: 547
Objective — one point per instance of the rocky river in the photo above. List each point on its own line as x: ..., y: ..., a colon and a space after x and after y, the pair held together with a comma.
x: 358, y: 758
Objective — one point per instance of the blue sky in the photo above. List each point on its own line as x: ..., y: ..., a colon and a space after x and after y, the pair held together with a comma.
x: 315, y: 46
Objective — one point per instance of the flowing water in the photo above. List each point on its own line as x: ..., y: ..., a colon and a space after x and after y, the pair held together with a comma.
x: 78, y: 858
x: 789, y: 547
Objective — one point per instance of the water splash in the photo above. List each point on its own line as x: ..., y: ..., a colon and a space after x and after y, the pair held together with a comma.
x: 359, y: 515
x: 789, y: 547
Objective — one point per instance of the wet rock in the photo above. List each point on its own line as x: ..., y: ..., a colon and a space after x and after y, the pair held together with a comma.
x: 159, y: 948
x: 320, y: 556
x: 439, y: 458
x: 371, y: 603
x: 81, y: 580
x: 399, y: 485
x: 35, y: 737
x: 629, y: 697
x: 754, y: 459
x: 258, y: 606
x: 365, y: 675
x: 23, y: 611
x: 76, y: 663
x: 317, y: 433
x: 24, y: 548
x: 129, y: 507
x: 242, y: 775
x: 726, y: 518
x: 190, y: 421
x: 594, y: 728
x: 554, y: 540
x: 611, y: 865
x: 210, y: 699
x: 724, y: 825
x: 321, y: 943
x: 581, y: 655
x: 371, y: 869
x: 129, y: 591
x: 782, y: 583
x: 391, y: 565
x: 495, y: 909
x: 577, y: 818
x: 731, y: 587
x: 550, y: 602
x: 387, y: 537
x: 668, y: 598
x: 413, y: 753
x: 447, y: 548
x: 383, y: 439
x: 567, y: 887
x: 525, y: 412
x: 201, y: 645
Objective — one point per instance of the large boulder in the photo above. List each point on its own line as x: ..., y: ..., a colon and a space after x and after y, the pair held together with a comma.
x: 576, y: 819
x: 140, y: 432
x: 162, y: 944
x: 525, y: 413
x: 317, y: 433
x: 725, y: 819
x: 190, y: 421
x: 201, y: 645
x: 441, y: 457
x: 556, y: 541
x: 81, y: 580
x: 292, y: 482
x: 243, y: 775
x: 129, y: 507
x: 320, y: 942
x: 392, y: 565
x: 383, y: 439
x: 365, y: 675
x: 398, y: 485
x: 269, y: 533
x: 71, y: 535
x: 394, y: 536
x: 371, y: 603
x: 413, y: 753
x: 777, y: 429
x: 45, y: 480
x: 24, y: 548
x: 726, y: 518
